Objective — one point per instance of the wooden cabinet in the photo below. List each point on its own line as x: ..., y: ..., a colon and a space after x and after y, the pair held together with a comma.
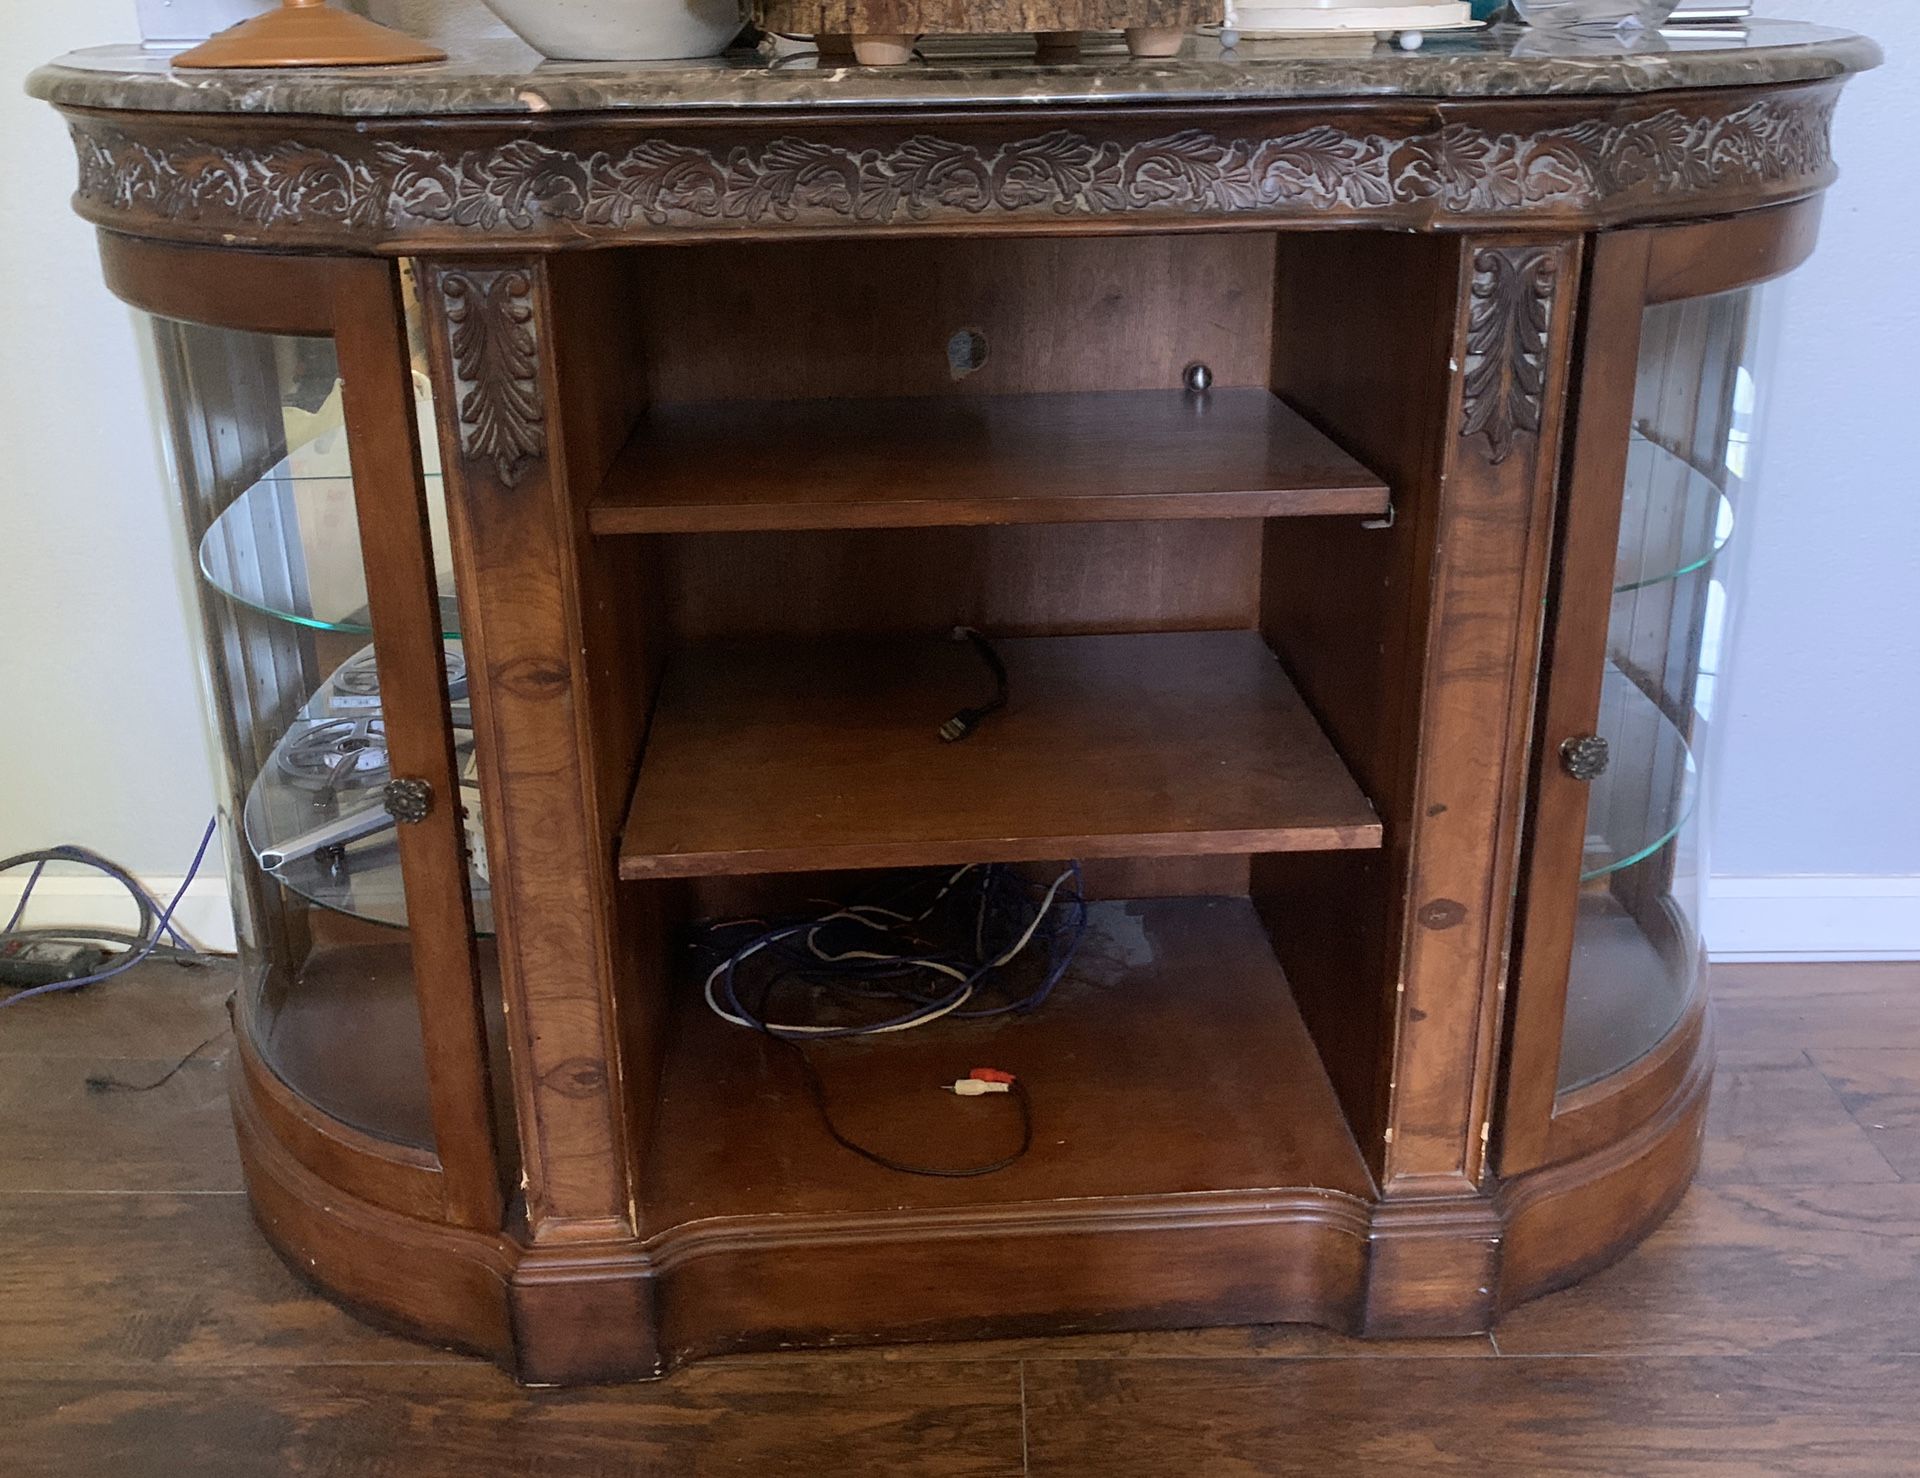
x: 1335, y: 473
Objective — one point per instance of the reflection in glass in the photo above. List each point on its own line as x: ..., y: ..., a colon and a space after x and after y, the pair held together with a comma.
x: 1637, y: 957
x: 260, y: 455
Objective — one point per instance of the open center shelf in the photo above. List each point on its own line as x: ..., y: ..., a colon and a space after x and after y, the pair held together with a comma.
x: 1169, y: 1062
x: 977, y: 459
x: 776, y: 755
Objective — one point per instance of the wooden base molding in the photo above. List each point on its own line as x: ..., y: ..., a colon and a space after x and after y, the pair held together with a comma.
x: 1572, y: 1219
x: 631, y: 1310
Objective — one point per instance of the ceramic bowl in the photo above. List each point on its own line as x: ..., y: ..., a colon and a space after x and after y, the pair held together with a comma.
x: 623, y: 30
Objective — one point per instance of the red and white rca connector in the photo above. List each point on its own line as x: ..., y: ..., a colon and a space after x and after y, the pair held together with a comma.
x: 982, y: 1080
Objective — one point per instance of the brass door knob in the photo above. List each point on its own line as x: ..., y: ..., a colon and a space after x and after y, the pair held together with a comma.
x: 1585, y: 757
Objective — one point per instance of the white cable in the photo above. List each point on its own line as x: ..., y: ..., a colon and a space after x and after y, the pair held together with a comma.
x: 854, y: 914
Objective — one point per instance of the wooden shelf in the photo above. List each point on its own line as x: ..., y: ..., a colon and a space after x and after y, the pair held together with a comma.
x: 1170, y: 1062
x: 977, y: 459
x: 784, y: 756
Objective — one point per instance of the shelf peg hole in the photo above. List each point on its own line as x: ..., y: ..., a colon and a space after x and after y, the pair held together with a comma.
x: 966, y: 352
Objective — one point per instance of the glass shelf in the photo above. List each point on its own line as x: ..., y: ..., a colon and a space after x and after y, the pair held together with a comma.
x: 315, y: 817
x: 289, y: 546
x: 1694, y: 519
x: 1649, y: 789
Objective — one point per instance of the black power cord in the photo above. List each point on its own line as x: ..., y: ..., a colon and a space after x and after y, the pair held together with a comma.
x: 967, y: 720
x: 107, y: 1083
x: 1015, y: 1090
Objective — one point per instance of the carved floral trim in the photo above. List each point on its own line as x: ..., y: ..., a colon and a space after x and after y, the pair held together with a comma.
x: 492, y: 332
x: 1505, y: 380
x: 527, y: 186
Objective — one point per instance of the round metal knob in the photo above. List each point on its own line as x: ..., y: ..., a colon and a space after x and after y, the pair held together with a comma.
x: 1197, y: 377
x: 408, y: 801
x: 1585, y: 757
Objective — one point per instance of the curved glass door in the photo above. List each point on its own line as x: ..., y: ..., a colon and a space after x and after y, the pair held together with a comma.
x: 314, y: 855
x: 1637, y: 958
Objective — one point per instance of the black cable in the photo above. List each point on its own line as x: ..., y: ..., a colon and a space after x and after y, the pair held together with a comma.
x: 902, y: 957
x: 1016, y: 1090
x: 104, y: 1083
x: 967, y: 720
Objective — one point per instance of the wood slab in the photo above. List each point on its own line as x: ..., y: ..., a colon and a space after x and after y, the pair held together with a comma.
x: 785, y: 756
x: 915, y: 461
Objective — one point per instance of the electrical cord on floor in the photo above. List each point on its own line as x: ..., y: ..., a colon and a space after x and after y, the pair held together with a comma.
x: 107, y: 1083
x: 154, y: 929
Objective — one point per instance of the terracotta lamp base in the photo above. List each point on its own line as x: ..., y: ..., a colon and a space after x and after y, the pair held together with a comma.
x: 308, y: 33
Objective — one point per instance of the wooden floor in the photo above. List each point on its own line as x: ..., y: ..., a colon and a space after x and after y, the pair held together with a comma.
x: 1773, y: 1327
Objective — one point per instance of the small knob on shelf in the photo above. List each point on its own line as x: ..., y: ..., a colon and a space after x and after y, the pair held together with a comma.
x: 408, y: 801
x: 1585, y: 757
x: 1197, y: 377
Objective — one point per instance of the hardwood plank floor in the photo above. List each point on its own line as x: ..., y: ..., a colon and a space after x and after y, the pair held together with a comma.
x: 1881, y: 1090
x: 1776, y: 1120
x: 1771, y: 1327
x: 800, y: 1417
x: 1730, y: 1418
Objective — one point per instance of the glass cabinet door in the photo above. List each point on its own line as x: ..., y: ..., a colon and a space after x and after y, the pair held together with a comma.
x: 1636, y: 958
x: 323, y: 901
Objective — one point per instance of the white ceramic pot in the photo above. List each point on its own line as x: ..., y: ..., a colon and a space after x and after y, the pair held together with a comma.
x: 624, y: 30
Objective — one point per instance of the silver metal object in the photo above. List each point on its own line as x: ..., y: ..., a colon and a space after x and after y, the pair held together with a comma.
x: 1197, y: 377
x: 369, y: 820
x: 1711, y: 11
x: 1585, y: 757
x: 408, y: 801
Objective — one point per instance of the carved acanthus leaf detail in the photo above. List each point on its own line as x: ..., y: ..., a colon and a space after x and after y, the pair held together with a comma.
x: 1507, y: 323
x: 1341, y: 167
x: 494, y: 337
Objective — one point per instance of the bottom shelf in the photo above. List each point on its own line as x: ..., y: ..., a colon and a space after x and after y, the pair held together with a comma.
x: 1170, y: 1061
x: 1629, y: 983
x: 344, y: 1034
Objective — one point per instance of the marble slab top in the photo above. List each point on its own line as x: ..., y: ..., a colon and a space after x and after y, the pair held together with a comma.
x: 506, y: 78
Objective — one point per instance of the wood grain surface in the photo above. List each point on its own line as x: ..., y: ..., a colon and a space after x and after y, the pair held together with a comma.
x: 769, y: 757
x: 949, y: 459
x: 1769, y: 1328
x: 1231, y: 1098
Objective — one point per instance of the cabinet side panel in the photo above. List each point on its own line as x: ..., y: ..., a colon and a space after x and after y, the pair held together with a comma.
x: 1443, y: 364
x: 1363, y: 327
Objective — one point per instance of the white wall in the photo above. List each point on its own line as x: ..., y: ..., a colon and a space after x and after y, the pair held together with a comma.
x: 1816, y: 828
x: 101, y: 736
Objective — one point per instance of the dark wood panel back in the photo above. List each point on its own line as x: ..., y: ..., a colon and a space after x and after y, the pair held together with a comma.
x: 1037, y: 580
x: 860, y: 318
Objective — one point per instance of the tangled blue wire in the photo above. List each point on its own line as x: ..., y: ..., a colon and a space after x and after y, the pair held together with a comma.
x: 155, y: 926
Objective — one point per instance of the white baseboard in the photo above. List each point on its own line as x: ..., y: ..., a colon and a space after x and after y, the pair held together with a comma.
x: 1755, y: 919
x: 1814, y: 918
x: 205, y: 915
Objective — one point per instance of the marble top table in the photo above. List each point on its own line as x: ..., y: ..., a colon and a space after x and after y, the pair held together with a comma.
x: 506, y: 78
